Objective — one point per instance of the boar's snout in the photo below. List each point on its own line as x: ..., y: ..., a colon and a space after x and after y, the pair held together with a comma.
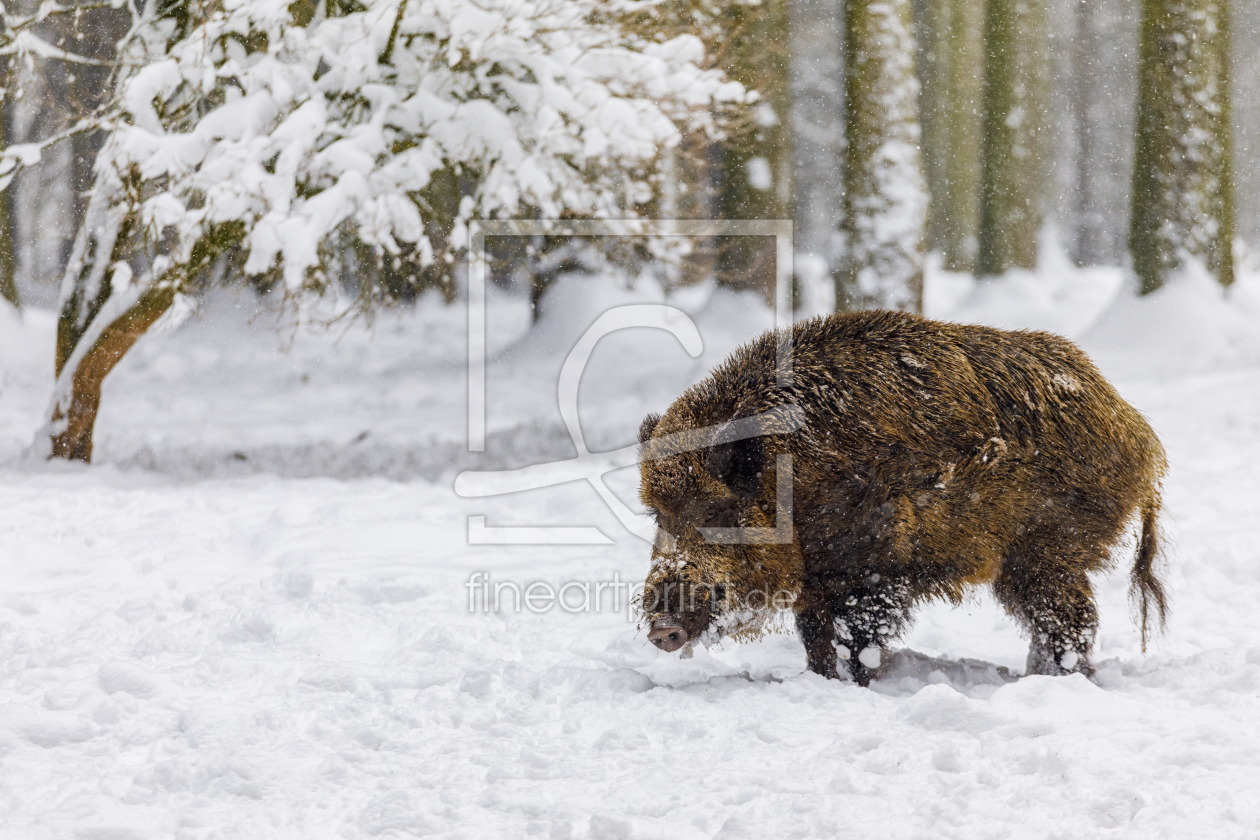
x: 667, y: 635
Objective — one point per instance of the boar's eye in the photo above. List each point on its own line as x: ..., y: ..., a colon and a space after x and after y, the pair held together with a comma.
x: 724, y: 514
x: 737, y: 465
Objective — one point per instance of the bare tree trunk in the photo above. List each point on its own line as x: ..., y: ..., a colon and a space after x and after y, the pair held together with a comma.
x: 1183, y: 194
x: 1012, y: 176
x: 885, y: 200
x: 97, y: 325
x: 8, y: 245
x: 8, y: 272
x: 754, y: 178
x: 74, y: 440
x: 950, y: 107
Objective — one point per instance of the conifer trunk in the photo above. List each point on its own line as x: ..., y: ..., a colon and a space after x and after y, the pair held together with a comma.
x: 950, y: 108
x: 1012, y: 177
x: 8, y: 247
x: 754, y: 180
x: 1183, y: 197
x: 885, y: 201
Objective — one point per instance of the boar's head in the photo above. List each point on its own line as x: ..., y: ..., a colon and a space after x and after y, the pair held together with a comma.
x: 703, y: 584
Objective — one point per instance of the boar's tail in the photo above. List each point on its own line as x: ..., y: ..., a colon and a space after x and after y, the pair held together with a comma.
x: 1145, y: 589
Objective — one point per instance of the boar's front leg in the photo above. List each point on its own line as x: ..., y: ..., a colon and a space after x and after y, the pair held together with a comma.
x: 858, y: 617
x: 869, y: 613
x: 817, y: 630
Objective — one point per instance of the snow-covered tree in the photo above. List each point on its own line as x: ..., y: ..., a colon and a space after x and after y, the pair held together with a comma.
x: 1012, y: 180
x: 885, y: 199
x: 319, y: 147
x: 952, y: 73
x: 1183, y: 201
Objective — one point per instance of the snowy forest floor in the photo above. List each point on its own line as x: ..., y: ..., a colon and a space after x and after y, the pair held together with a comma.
x: 250, y: 617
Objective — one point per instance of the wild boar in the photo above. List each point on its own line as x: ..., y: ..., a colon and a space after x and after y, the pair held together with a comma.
x: 906, y: 460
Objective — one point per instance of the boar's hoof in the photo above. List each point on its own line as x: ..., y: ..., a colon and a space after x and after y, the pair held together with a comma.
x: 667, y: 635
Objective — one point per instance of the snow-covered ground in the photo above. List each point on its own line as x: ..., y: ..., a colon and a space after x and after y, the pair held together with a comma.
x: 250, y: 618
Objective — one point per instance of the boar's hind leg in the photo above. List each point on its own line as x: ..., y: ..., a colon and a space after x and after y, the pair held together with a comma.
x: 1054, y: 601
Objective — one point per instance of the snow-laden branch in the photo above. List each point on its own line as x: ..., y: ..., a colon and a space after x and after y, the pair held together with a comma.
x: 15, y: 158
x: 25, y: 42
x: 366, y: 122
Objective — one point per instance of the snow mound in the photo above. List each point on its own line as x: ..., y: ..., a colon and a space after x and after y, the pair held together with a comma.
x: 1191, y: 325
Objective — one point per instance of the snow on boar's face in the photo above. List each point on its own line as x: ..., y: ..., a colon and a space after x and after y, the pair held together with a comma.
x: 704, y: 585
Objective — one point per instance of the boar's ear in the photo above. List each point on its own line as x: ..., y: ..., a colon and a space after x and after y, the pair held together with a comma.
x: 737, y: 465
x: 647, y: 426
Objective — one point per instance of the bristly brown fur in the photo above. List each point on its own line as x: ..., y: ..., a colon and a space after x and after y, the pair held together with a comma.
x: 933, y: 457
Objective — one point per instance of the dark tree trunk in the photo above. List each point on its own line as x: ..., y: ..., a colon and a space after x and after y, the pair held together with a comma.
x: 1183, y: 194
x: 1012, y: 165
x: 8, y: 244
x: 885, y: 197
x: 74, y: 440
x: 952, y: 69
